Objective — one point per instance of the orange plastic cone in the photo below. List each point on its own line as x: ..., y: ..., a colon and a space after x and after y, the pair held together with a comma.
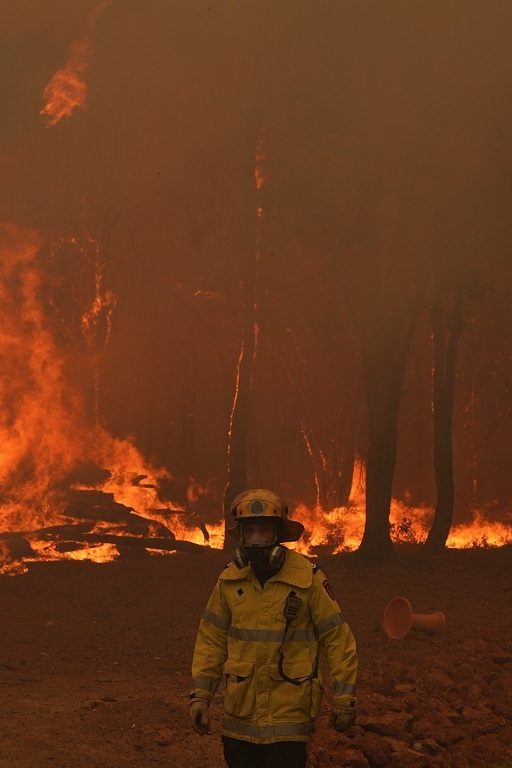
x: 399, y: 618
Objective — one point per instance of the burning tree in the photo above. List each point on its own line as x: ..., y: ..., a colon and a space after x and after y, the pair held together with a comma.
x: 457, y: 291
x: 384, y: 357
x: 239, y: 420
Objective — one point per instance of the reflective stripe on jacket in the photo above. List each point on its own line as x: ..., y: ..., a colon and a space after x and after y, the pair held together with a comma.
x: 239, y: 636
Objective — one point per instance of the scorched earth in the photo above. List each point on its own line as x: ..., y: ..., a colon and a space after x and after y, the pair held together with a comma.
x: 94, y: 664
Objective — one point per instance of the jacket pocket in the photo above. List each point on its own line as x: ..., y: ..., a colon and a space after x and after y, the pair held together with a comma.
x: 289, y: 701
x: 239, y: 693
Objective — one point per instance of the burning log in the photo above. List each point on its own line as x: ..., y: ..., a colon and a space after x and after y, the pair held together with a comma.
x: 137, y: 480
x: 141, y: 526
x: 204, y: 531
x: 68, y: 546
x: 127, y: 552
x: 62, y: 531
x: 97, y: 505
x: 166, y: 544
x: 86, y: 473
x: 13, y: 546
x: 72, y: 538
x: 102, y: 521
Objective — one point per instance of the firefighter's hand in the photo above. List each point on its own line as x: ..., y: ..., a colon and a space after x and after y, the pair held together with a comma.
x: 200, y: 717
x: 342, y: 719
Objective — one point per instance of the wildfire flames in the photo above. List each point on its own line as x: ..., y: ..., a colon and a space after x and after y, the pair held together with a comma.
x: 67, y: 89
x: 44, y: 430
x: 50, y: 508
x: 341, y: 529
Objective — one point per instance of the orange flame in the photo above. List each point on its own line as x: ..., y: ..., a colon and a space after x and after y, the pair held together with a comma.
x: 67, y: 89
x: 101, y: 308
x: 43, y: 431
x: 341, y: 529
x: 45, y: 434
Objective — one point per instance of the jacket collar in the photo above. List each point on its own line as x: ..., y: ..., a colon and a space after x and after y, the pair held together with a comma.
x: 296, y: 571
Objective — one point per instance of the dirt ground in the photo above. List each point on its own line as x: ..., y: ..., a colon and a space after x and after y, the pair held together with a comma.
x: 94, y: 664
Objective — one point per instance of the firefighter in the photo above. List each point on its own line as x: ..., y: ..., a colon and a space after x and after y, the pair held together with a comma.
x: 269, y: 615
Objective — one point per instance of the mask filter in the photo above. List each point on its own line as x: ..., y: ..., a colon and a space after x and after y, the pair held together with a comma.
x: 271, y: 557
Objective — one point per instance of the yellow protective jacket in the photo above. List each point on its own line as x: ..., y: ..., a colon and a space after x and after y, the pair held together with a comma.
x: 239, y: 636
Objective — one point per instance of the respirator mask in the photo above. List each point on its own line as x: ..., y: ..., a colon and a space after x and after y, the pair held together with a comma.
x: 259, y: 545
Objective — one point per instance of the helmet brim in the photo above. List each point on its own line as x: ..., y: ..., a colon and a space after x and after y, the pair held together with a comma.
x: 290, y: 530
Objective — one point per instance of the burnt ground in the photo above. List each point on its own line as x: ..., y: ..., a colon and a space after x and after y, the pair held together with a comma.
x: 94, y: 664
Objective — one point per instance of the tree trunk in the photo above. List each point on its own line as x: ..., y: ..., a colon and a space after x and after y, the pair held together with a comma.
x: 446, y: 340
x: 303, y: 400
x: 317, y: 465
x: 383, y: 406
x: 240, y: 413
x: 238, y: 431
x: 346, y: 460
x: 186, y: 437
x: 384, y: 374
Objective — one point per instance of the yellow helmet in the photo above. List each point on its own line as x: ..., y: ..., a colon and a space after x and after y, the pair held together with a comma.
x: 260, y: 502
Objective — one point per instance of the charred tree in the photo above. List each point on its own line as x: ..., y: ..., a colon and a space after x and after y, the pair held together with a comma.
x: 457, y: 291
x: 330, y: 441
x: 186, y: 439
x: 240, y: 413
x: 239, y: 422
x: 303, y: 398
x: 346, y: 473
x: 346, y: 458
x: 382, y: 402
x: 384, y: 367
x: 446, y: 328
x: 241, y: 409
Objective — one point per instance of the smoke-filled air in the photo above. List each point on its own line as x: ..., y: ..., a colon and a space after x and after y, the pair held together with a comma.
x: 255, y: 383
x: 254, y: 245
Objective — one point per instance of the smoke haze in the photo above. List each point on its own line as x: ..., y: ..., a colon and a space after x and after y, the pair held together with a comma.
x: 386, y: 151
